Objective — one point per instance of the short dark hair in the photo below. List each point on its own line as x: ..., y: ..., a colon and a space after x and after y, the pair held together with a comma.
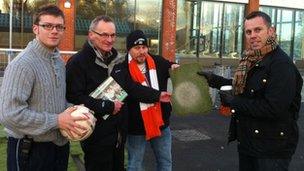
x: 265, y: 17
x: 49, y: 9
x: 99, y: 18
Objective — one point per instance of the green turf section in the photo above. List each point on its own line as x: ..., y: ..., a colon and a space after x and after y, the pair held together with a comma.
x: 2, y: 148
x: 190, y: 91
x: 2, y: 133
x: 3, y: 153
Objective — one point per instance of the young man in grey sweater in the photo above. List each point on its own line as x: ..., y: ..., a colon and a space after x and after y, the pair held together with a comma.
x: 33, y: 106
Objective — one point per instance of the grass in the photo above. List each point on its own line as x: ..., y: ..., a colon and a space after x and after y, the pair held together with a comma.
x: 3, y: 153
x: 75, y: 149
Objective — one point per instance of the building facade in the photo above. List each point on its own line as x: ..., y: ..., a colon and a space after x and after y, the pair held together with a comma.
x: 204, y: 28
x: 214, y: 29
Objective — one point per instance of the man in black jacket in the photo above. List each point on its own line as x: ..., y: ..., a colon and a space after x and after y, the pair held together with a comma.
x: 148, y: 123
x: 86, y: 70
x: 266, y: 100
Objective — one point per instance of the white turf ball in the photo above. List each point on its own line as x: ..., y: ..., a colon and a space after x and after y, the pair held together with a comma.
x: 89, y: 124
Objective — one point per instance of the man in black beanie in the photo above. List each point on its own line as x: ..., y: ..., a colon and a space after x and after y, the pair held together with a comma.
x: 135, y: 38
x: 148, y: 122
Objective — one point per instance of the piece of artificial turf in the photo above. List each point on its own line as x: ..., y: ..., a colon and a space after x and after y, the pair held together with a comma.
x: 190, y: 91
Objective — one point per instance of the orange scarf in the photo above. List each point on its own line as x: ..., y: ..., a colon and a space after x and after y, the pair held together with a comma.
x: 151, y: 113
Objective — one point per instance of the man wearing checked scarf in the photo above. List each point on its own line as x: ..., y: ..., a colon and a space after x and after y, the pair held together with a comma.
x: 265, y: 101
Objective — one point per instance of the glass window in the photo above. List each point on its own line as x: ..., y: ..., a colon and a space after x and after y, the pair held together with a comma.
x: 119, y: 11
x: 21, y: 22
x: 289, y: 28
x: 184, y: 26
x: 128, y: 15
x: 147, y: 18
x: 285, y: 37
x: 271, y: 12
x: 284, y: 25
x: 213, y: 29
x: 287, y: 16
x: 4, y: 29
x: 299, y: 36
x: 21, y: 27
x: 234, y: 14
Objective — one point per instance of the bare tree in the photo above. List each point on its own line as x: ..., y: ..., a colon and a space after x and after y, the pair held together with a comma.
x: 28, y: 7
x: 90, y: 8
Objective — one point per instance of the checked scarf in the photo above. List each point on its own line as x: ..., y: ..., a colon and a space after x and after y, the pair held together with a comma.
x: 249, y: 59
x: 151, y: 113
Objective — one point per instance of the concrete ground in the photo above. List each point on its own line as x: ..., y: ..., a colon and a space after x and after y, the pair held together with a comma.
x: 200, y: 144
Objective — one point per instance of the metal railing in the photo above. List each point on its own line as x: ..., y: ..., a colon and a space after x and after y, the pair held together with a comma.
x: 7, y: 55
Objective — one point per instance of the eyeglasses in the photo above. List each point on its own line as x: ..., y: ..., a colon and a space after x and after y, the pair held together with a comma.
x: 105, y: 35
x: 49, y: 27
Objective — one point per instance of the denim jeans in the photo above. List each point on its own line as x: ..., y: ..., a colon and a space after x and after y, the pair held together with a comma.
x: 249, y: 163
x: 161, y: 147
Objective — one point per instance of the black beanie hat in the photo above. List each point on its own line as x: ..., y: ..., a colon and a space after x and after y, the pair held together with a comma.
x: 137, y: 37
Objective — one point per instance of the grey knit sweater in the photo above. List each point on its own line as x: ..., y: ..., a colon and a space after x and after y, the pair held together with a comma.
x: 33, y: 94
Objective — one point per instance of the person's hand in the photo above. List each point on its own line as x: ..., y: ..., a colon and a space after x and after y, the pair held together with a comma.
x: 117, y: 107
x: 174, y: 66
x: 213, y: 80
x: 68, y: 123
x: 226, y: 97
x: 207, y: 75
x: 165, y: 96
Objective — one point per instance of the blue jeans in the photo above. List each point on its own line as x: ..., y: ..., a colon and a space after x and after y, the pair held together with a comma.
x: 161, y: 147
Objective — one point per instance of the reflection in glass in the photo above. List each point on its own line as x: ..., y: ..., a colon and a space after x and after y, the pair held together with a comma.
x: 233, y: 33
x: 128, y: 15
x: 220, y: 24
x: 285, y: 37
x: 147, y: 18
x: 213, y: 29
x: 21, y: 27
x: 289, y: 28
x: 21, y: 21
x: 299, y: 36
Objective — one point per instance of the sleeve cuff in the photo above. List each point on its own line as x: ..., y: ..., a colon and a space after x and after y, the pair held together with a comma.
x: 107, y: 107
x: 53, y: 121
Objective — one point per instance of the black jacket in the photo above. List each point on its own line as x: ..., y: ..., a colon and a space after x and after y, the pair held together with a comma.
x: 265, y: 116
x: 135, y: 124
x: 83, y: 77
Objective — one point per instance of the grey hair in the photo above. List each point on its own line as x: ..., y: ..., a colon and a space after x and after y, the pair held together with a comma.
x: 99, y: 18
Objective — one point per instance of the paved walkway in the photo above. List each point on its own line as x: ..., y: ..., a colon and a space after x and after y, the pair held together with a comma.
x: 200, y: 144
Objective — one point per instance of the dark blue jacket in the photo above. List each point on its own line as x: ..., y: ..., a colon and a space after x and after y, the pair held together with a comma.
x: 265, y: 118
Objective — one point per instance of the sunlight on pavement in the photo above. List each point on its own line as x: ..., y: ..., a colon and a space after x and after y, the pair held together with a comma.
x: 189, y: 135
